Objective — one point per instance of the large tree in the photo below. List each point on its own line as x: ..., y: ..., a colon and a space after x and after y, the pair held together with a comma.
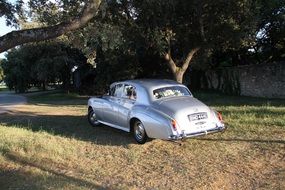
x: 177, y: 30
x: 57, y: 17
x: 180, y: 29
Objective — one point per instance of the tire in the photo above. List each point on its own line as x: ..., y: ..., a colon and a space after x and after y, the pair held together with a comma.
x: 139, y: 132
x: 92, y: 118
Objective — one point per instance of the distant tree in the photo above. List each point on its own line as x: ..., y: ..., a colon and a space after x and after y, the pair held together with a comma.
x: 17, y: 73
x: 1, y: 71
x: 49, y: 63
x: 58, y: 17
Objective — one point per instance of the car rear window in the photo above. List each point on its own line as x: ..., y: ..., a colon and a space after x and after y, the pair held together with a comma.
x: 170, y: 91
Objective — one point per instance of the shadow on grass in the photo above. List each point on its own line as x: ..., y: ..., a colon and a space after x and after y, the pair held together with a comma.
x: 57, y: 99
x: 68, y: 126
x: 243, y: 140
x: 77, y: 101
x: 58, y: 179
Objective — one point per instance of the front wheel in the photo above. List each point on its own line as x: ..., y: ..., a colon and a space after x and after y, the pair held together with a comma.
x: 139, y: 132
x: 92, y: 118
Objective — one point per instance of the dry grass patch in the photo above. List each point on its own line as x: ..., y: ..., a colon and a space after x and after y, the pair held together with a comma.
x: 48, y: 144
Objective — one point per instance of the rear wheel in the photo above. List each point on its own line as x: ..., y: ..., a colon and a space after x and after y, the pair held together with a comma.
x: 92, y: 118
x: 139, y: 132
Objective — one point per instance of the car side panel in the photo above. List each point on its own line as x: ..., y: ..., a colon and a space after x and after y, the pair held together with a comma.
x: 124, y: 112
x: 105, y: 109
x: 110, y: 110
x: 96, y: 104
x: 156, y: 125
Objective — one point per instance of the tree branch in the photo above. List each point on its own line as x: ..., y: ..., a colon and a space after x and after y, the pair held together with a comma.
x: 189, y: 58
x: 170, y: 62
x: 168, y: 58
x: 19, y: 37
x: 202, y: 30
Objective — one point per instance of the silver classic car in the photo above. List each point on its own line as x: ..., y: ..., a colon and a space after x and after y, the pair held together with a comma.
x: 162, y: 109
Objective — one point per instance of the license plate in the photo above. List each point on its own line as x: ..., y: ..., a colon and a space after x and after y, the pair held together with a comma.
x: 198, y: 116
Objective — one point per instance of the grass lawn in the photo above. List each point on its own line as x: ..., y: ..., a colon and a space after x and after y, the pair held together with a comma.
x: 48, y: 144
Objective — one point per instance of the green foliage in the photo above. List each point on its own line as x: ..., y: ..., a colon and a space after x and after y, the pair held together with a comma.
x: 7, y: 10
x: 129, y: 38
x: 45, y: 12
x: 17, y: 73
x: 49, y: 63
x: 14, y: 12
x: 271, y: 37
x: 110, y: 43
x: 1, y: 71
x: 269, y: 44
x: 111, y: 66
x: 53, y: 12
x: 189, y: 24
x: 142, y: 30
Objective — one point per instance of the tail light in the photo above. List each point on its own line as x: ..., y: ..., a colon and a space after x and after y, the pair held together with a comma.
x: 174, y: 125
x: 220, y: 117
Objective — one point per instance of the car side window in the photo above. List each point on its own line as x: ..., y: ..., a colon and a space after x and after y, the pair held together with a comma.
x: 130, y: 92
x: 112, y: 91
x: 119, y: 88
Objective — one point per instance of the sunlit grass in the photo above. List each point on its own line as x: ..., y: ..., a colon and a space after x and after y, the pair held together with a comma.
x: 3, y: 88
x: 48, y: 144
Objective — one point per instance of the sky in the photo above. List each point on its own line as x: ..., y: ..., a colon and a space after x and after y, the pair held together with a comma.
x: 4, y: 30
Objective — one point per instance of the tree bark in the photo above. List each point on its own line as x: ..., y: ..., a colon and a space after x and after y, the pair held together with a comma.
x: 20, y: 37
x: 178, y: 72
x: 179, y: 76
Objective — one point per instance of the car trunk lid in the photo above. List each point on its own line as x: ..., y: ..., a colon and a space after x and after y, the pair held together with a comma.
x: 191, y: 114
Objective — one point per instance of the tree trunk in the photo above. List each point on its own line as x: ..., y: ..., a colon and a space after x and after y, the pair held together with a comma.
x: 178, y: 72
x: 179, y: 76
x: 44, y: 85
x: 20, y: 37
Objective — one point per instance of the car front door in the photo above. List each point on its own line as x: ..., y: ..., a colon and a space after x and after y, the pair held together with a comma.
x: 126, y: 103
x: 112, y: 105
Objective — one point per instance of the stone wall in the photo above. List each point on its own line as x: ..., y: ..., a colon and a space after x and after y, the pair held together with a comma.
x: 266, y: 80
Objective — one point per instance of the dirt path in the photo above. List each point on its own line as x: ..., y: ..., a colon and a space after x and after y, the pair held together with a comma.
x: 8, y: 101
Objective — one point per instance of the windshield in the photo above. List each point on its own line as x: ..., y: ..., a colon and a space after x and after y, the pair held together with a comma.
x: 171, y: 92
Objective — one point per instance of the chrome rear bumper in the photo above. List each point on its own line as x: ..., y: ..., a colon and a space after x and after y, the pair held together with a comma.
x: 200, y: 133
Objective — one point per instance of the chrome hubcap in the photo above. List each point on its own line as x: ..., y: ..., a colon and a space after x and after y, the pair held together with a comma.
x: 93, y: 118
x: 139, y: 131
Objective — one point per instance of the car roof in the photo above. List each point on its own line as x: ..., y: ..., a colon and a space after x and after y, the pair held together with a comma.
x: 152, y: 83
x: 149, y: 85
